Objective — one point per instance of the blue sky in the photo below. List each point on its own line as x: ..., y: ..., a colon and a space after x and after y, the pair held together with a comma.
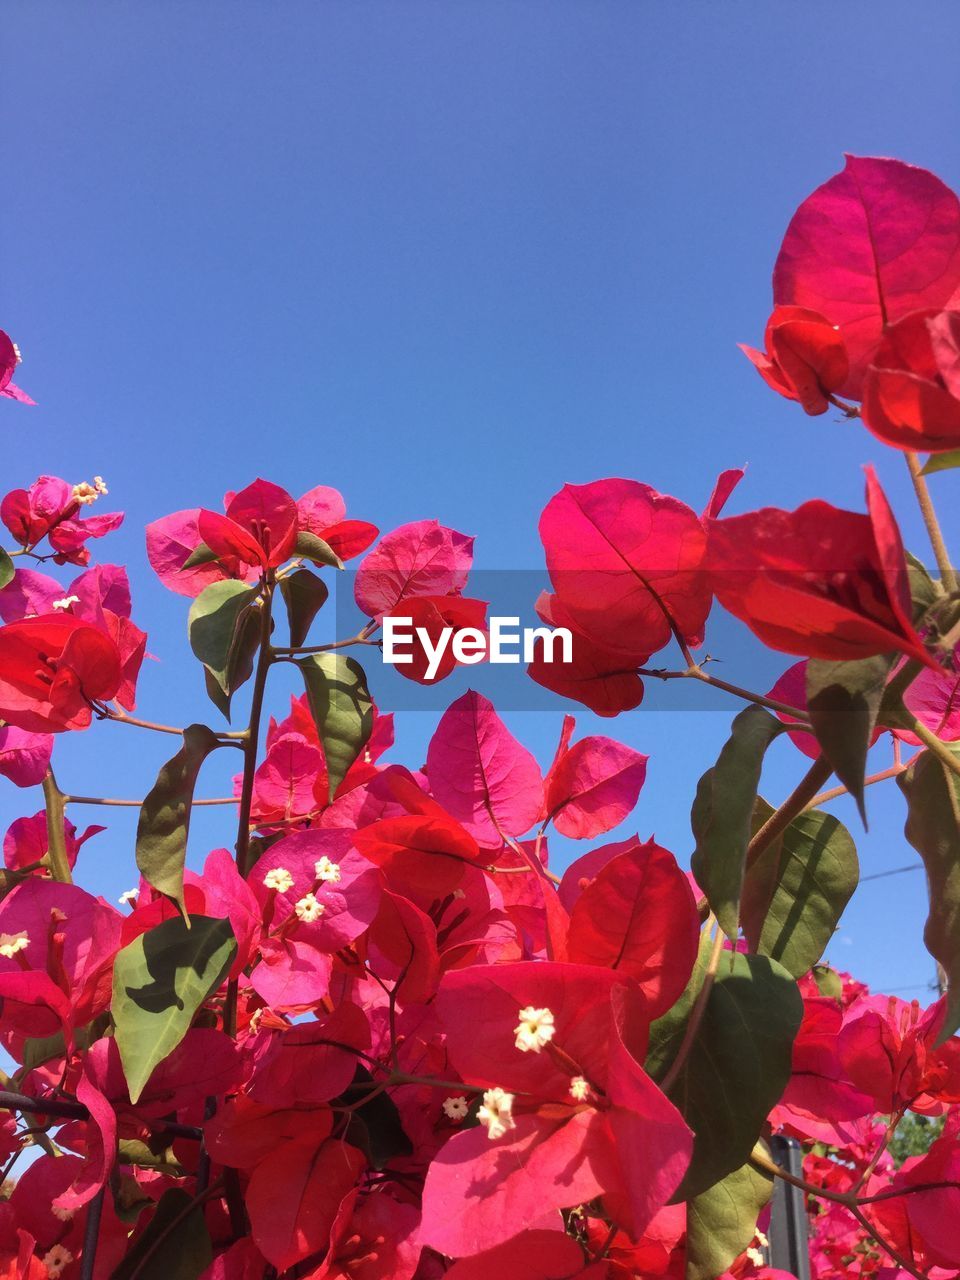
x: 446, y: 257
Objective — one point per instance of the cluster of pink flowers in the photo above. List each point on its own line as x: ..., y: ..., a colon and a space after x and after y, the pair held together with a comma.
x: 380, y: 1037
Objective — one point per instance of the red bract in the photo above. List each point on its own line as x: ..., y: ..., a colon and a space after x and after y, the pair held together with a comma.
x: 50, y: 509
x: 805, y: 357
x: 421, y: 559
x: 638, y: 916
x: 593, y: 785
x: 442, y: 618
x: 61, y: 943
x: 24, y: 757
x: 481, y: 774
x: 52, y: 669
x: 911, y: 389
x: 626, y: 565
x: 9, y: 359
x: 819, y: 581
x: 322, y: 512
x: 586, y: 1119
x: 878, y: 240
x: 259, y: 528
x: 605, y: 682
x: 26, y: 841
x: 298, y: 1175
x: 888, y: 1050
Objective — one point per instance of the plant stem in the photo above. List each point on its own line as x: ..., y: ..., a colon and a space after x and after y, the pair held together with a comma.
x: 697, y: 1012
x: 696, y: 672
x: 120, y: 717
x: 934, y: 532
x: 54, y: 801
x: 799, y: 799
x: 251, y: 745
x: 291, y: 651
x: 835, y: 792
x: 939, y: 749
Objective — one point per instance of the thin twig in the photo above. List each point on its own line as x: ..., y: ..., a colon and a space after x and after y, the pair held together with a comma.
x: 934, y: 532
x: 56, y: 836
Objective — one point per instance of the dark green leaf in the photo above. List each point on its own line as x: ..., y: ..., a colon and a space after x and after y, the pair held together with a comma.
x: 941, y: 462
x: 924, y: 591
x: 224, y: 630
x: 304, y: 595
x: 723, y: 811
x: 375, y: 1126
x: 313, y: 548
x: 666, y: 1033
x: 7, y: 569
x: 933, y: 828
x: 843, y: 700
x: 722, y: 1221
x: 159, y: 982
x: 341, y: 707
x: 738, y: 1065
x: 795, y: 892
x: 165, y: 814
x: 201, y: 554
x: 174, y: 1246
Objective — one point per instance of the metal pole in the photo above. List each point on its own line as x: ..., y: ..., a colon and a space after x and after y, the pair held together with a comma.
x: 789, y: 1239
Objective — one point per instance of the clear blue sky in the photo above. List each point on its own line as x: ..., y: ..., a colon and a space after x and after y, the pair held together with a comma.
x: 444, y: 256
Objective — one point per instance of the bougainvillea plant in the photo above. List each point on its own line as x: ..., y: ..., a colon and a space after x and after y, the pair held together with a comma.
x: 377, y: 1037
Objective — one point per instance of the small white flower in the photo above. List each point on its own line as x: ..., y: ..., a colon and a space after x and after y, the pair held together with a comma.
x: 11, y: 943
x: 253, y: 1026
x: 57, y: 1259
x: 85, y: 493
x: 99, y: 485
x: 129, y: 899
x: 579, y: 1089
x: 279, y: 878
x: 326, y: 871
x: 308, y: 909
x: 65, y: 1215
x: 65, y: 603
x: 496, y: 1113
x: 17, y: 356
x: 756, y: 1257
x: 455, y: 1109
x: 761, y: 1240
x: 534, y: 1030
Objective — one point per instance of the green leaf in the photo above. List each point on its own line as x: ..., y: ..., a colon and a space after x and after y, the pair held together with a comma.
x: 159, y: 982
x: 722, y: 1221
x: 224, y: 630
x: 7, y: 569
x: 723, y: 811
x: 201, y: 554
x: 666, y: 1033
x: 313, y: 548
x: 304, y: 595
x: 374, y: 1126
x: 342, y: 709
x: 165, y: 814
x: 174, y: 1246
x: 795, y: 892
x: 738, y: 1065
x: 941, y: 462
x: 925, y: 592
x: 829, y: 983
x: 843, y: 700
x: 933, y: 828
